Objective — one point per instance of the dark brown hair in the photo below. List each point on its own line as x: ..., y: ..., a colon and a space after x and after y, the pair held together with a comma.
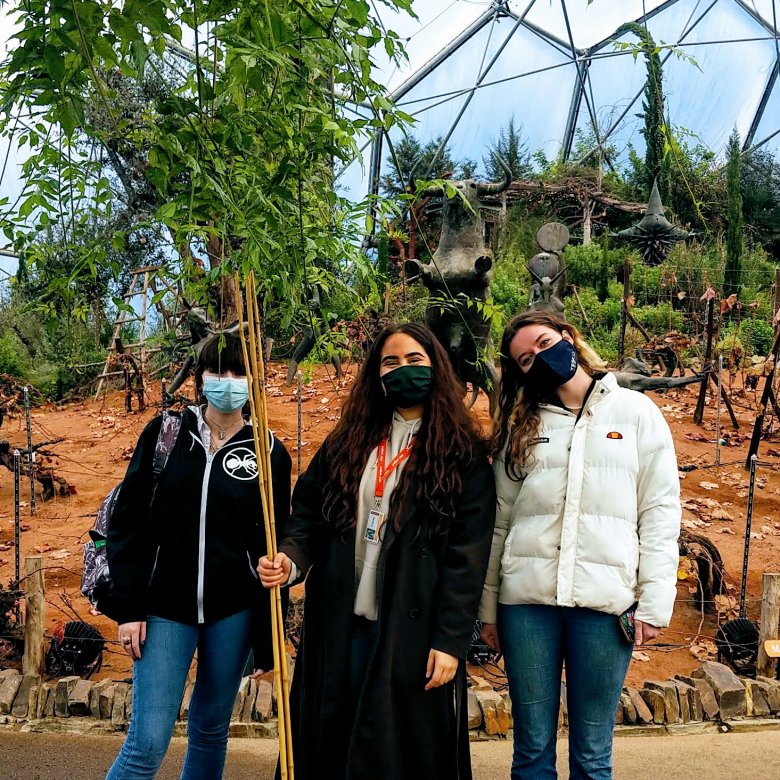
x: 447, y: 438
x: 218, y: 361
x: 517, y: 412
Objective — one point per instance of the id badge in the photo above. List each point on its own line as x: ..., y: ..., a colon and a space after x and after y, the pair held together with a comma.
x: 374, y: 526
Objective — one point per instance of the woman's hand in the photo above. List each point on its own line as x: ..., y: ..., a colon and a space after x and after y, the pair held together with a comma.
x: 132, y: 637
x: 276, y: 572
x: 644, y: 632
x: 489, y: 635
x: 441, y: 669
x: 257, y: 674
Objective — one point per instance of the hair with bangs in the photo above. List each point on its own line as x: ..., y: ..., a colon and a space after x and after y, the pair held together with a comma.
x: 219, y: 361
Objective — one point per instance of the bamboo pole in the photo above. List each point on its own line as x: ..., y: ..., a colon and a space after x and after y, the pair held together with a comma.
x: 283, y: 668
x: 251, y: 344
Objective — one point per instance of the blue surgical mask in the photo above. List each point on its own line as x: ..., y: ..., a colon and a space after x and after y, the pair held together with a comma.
x: 226, y: 394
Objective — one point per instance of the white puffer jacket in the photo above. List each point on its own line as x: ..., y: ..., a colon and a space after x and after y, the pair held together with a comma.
x: 595, y: 518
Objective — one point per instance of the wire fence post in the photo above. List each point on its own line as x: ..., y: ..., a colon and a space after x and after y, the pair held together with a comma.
x: 17, y: 526
x: 748, y: 526
x: 770, y: 620
x: 717, y: 413
x: 300, y: 420
x: 30, y: 453
x: 698, y: 415
x: 624, y: 312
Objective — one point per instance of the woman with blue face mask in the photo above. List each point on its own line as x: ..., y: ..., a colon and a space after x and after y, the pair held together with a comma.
x: 583, y: 566
x: 183, y: 548
x: 391, y: 528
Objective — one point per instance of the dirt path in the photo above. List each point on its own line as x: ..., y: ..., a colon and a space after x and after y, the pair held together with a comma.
x: 98, y: 442
x: 46, y: 757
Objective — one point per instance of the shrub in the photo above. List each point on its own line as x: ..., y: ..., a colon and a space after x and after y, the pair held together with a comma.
x: 510, y: 287
x: 14, y: 359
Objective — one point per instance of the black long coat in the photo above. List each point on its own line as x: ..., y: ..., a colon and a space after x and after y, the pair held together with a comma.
x: 428, y: 591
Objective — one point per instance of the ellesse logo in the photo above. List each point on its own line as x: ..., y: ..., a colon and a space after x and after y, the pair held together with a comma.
x: 614, y: 435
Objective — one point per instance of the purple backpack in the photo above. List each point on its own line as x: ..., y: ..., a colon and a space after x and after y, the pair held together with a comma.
x: 96, y: 578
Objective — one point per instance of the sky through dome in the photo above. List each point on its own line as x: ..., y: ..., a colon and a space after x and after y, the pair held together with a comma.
x: 554, y: 67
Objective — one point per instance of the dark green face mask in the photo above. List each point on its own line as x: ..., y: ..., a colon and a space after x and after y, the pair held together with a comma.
x: 408, y: 386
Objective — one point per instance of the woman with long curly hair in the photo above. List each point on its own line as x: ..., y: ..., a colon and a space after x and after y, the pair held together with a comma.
x: 391, y: 526
x: 584, y: 559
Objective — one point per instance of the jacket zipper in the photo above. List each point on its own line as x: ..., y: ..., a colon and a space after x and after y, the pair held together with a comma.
x: 154, y: 567
x: 249, y: 561
x: 204, y: 496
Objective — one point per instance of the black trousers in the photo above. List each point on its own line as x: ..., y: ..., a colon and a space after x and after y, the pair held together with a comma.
x: 364, y: 633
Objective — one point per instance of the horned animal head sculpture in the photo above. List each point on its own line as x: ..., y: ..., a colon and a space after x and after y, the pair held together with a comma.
x: 459, y: 274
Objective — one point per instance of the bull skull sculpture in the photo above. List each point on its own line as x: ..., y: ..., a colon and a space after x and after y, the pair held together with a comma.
x: 458, y: 276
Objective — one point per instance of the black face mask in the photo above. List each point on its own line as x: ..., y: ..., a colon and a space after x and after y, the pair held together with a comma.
x: 408, y: 386
x: 553, y: 367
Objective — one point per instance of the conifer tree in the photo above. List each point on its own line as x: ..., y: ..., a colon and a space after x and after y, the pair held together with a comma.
x: 734, y: 217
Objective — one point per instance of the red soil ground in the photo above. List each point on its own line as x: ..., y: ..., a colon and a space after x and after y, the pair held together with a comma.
x: 99, y: 438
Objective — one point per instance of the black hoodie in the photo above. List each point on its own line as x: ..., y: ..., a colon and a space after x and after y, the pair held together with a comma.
x: 192, y: 558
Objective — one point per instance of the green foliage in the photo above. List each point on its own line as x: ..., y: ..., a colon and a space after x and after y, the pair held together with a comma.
x: 746, y: 338
x: 512, y: 149
x: 734, y: 220
x: 510, y: 286
x: 235, y: 153
x: 13, y: 357
x: 415, y: 160
x: 760, y: 180
x: 660, y: 318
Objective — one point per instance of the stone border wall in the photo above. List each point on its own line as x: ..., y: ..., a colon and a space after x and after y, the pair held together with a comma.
x: 711, y: 697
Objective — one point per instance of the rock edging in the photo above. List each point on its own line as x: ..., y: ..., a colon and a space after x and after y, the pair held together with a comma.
x: 711, y: 699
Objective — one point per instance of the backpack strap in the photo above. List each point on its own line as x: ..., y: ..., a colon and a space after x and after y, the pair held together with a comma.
x: 166, y: 439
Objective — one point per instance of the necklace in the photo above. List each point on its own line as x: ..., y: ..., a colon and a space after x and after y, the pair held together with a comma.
x: 222, y: 434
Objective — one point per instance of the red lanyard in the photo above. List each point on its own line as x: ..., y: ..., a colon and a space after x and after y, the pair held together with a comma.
x: 382, y: 471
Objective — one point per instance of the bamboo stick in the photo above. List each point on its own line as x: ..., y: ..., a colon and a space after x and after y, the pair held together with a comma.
x: 253, y: 360
x: 260, y: 372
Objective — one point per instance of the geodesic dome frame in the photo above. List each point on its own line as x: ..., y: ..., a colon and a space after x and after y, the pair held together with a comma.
x: 558, y: 69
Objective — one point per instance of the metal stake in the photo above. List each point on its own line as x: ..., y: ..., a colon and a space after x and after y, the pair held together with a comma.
x: 17, y: 526
x: 717, y: 413
x: 30, y: 453
x: 300, y: 420
x: 163, y: 385
x: 748, y: 524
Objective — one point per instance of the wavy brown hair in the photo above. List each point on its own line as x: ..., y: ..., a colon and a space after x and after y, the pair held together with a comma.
x: 517, y: 414
x: 447, y: 438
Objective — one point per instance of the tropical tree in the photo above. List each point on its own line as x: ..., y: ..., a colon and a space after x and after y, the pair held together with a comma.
x: 230, y: 161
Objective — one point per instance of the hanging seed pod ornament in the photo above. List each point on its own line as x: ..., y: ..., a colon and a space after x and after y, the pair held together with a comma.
x: 654, y: 236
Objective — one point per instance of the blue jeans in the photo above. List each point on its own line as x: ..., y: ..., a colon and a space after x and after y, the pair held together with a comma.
x: 536, y: 641
x: 158, y: 687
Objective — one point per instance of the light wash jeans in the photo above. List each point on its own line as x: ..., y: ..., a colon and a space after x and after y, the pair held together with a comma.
x: 536, y: 641
x: 158, y: 687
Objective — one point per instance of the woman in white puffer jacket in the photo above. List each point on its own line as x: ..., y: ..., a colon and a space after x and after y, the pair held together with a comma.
x: 586, y: 530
